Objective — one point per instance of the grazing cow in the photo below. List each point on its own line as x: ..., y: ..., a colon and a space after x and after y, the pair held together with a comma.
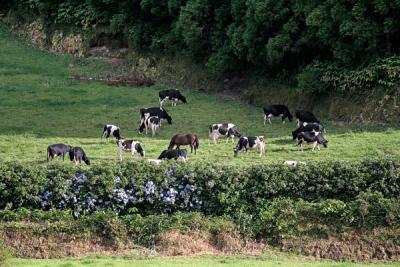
x: 311, y: 137
x: 176, y: 154
x: 250, y: 142
x: 110, y: 129
x: 185, y: 139
x: 131, y: 146
x: 152, y: 122
x: 277, y: 110
x: 173, y: 94
x: 308, y: 127
x: 161, y: 113
x: 57, y: 150
x: 222, y: 129
x: 77, y: 154
x: 305, y: 116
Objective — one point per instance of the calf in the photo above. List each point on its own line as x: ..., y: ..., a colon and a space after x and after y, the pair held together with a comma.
x: 250, y: 142
x: 77, y: 154
x: 308, y: 127
x: 222, y: 129
x: 161, y: 113
x: 305, y: 116
x: 131, y: 146
x: 173, y: 94
x: 311, y: 137
x: 152, y: 122
x: 113, y: 130
x: 57, y: 150
x: 277, y: 110
x: 176, y: 154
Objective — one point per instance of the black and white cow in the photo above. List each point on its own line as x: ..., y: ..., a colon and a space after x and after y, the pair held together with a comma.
x: 222, y: 129
x: 161, y: 113
x: 277, y: 110
x: 311, y: 137
x: 131, y: 146
x: 57, y: 150
x: 77, y: 154
x: 150, y: 122
x: 173, y: 94
x: 250, y: 142
x: 176, y: 154
x: 305, y: 116
x: 308, y: 127
x: 113, y: 130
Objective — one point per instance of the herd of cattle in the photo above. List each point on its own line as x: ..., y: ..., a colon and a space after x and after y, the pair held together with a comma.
x: 309, y: 130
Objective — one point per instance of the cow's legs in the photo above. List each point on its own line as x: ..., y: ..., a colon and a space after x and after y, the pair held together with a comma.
x: 191, y: 148
x: 265, y: 119
x: 315, y: 144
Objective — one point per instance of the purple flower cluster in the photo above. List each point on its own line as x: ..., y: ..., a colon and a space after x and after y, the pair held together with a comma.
x: 84, y: 196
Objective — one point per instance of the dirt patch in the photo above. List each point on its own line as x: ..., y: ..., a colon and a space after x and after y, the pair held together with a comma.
x: 354, y: 249
x: 176, y: 243
x: 133, y: 79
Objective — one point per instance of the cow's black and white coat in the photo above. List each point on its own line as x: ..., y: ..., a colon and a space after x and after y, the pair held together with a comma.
x: 57, y: 150
x: 305, y: 116
x: 176, y: 154
x: 113, y: 130
x: 150, y: 122
x: 130, y: 146
x: 173, y: 95
x: 250, y: 142
x: 308, y: 127
x: 161, y: 113
x: 311, y: 137
x: 77, y: 154
x: 228, y: 130
x: 277, y: 110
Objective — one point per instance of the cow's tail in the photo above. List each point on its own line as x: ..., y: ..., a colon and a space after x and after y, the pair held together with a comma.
x: 196, y: 141
x: 48, y: 153
x: 210, y: 128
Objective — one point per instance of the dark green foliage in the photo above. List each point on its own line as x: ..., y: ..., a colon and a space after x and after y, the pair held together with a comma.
x: 143, y: 188
x: 277, y: 36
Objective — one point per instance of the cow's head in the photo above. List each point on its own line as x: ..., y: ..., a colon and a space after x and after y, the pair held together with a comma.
x: 235, y: 151
x: 233, y: 131
x: 183, y: 99
x: 294, y: 134
x: 139, y: 149
x: 290, y: 117
x: 167, y: 117
x: 141, y: 127
x: 86, y: 160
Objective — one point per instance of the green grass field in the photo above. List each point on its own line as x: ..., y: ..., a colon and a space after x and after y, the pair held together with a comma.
x: 230, y: 261
x: 40, y: 105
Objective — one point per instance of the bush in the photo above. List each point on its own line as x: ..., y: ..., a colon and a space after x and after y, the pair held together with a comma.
x: 144, y: 188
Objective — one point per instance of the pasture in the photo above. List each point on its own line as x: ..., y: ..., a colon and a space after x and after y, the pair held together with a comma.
x: 41, y: 105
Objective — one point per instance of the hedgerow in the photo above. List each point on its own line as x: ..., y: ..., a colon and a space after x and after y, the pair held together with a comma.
x: 147, y: 189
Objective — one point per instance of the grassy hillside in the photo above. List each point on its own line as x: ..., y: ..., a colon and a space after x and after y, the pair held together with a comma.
x: 40, y: 105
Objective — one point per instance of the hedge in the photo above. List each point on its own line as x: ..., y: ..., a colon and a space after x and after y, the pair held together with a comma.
x: 145, y: 188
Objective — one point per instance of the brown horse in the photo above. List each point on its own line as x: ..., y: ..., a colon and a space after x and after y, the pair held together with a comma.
x: 185, y: 139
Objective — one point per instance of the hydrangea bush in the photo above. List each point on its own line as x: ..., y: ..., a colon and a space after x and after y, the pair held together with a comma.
x: 145, y: 188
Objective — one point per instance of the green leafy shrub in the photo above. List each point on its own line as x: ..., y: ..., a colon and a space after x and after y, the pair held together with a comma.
x: 144, y: 188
